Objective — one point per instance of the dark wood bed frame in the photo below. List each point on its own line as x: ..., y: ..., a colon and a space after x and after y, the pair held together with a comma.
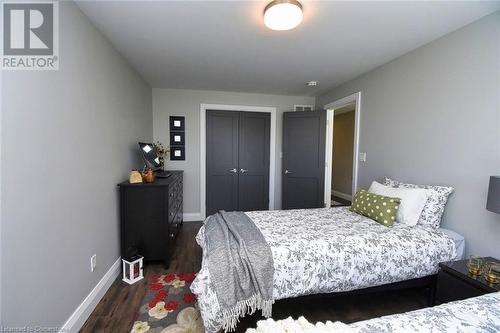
x: 426, y: 282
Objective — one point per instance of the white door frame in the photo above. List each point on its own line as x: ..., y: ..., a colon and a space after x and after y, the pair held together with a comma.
x: 330, y: 109
x: 203, y: 147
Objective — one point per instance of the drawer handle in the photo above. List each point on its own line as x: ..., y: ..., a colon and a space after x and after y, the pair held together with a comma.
x: 172, y: 235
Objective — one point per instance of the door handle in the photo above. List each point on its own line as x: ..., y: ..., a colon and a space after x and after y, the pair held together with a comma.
x: 234, y: 170
x: 287, y: 172
x: 243, y: 170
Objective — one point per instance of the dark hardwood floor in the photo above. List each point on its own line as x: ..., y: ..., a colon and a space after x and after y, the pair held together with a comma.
x: 341, y: 202
x: 115, y: 312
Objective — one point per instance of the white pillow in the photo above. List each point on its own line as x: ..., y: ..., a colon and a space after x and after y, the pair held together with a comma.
x: 434, y: 208
x: 412, y: 201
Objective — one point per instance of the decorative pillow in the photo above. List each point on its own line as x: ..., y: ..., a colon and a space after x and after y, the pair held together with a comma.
x: 434, y: 207
x: 412, y: 201
x: 377, y: 207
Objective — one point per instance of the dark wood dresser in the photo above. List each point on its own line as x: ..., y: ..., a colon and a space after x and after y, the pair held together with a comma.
x: 150, y: 216
x: 454, y: 282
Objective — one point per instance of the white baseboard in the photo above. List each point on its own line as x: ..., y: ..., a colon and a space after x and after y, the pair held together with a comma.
x: 82, y: 313
x: 192, y: 217
x: 344, y: 196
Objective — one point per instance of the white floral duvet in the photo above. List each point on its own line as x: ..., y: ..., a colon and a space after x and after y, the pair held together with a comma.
x: 332, y: 250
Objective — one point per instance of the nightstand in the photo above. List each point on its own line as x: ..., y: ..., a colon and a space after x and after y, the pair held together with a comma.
x: 455, y: 283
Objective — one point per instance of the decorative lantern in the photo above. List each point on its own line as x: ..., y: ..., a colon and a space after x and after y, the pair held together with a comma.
x: 133, y: 269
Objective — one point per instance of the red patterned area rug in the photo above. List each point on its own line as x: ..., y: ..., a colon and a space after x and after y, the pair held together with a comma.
x: 169, y: 306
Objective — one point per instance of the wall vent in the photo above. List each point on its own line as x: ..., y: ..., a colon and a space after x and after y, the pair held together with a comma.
x: 302, y: 107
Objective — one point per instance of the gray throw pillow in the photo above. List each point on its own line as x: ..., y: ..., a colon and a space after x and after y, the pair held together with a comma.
x: 434, y: 207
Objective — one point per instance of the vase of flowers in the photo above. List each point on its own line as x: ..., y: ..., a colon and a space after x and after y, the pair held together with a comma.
x: 162, y: 152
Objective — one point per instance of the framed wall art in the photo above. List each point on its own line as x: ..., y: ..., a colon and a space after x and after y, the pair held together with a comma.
x: 177, y: 123
x: 177, y: 138
x: 177, y: 154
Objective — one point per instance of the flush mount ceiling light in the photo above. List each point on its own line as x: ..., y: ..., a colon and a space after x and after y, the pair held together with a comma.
x: 312, y: 83
x: 283, y: 14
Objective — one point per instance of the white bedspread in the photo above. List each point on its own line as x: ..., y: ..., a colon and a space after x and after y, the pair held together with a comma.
x: 333, y: 250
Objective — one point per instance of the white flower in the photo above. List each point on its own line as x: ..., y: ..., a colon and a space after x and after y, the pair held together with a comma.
x: 178, y: 283
x: 140, y: 327
x: 188, y: 321
x: 159, y: 311
x: 161, y: 280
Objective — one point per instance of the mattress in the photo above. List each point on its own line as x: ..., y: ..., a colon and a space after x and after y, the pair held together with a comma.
x: 459, y: 242
x: 333, y: 250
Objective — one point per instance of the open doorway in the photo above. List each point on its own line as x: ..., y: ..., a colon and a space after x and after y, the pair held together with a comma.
x: 342, y: 155
x: 342, y: 141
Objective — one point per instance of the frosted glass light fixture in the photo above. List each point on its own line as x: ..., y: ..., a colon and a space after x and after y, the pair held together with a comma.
x: 283, y: 14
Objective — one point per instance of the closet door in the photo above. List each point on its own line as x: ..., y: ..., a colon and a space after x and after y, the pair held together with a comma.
x: 222, y: 161
x: 254, y: 136
x: 304, y: 138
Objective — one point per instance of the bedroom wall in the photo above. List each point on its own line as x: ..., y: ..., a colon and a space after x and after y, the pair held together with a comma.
x: 67, y: 138
x: 178, y: 102
x: 432, y: 116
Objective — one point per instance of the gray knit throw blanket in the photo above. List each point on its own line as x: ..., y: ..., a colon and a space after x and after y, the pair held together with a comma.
x: 241, y: 266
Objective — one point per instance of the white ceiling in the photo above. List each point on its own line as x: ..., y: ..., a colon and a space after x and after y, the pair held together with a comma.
x: 224, y: 45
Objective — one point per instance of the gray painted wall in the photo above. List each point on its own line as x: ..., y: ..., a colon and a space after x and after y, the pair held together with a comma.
x: 433, y: 116
x: 68, y: 137
x: 174, y: 102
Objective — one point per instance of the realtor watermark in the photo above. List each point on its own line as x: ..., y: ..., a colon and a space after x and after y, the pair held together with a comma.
x: 34, y: 329
x: 30, y: 35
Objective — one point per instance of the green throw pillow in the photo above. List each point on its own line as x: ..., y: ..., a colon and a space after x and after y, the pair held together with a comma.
x: 377, y: 207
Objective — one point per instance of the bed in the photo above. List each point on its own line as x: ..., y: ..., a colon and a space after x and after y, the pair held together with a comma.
x: 478, y: 314
x: 330, y: 250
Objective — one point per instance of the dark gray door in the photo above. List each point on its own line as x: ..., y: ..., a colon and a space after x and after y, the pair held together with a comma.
x: 304, y: 135
x: 237, y: 161
x: 253, y: 193
x: 222, y: 161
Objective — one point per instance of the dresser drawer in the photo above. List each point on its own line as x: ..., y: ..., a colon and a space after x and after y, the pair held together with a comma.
x: 172, y: 233
x: 173, y: 227
x: 175, y: 190
x: 179, y: 186
x: 179, y: 214
x: 172, y: 194
x: 172, y: 211
x: 174, y: 208
x: 177, y: 211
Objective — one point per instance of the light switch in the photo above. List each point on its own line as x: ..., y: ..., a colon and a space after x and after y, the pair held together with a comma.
x: 362, y: 157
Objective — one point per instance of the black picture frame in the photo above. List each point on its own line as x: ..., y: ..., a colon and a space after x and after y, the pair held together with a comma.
x: 177, y: 123
x: 177, y: 154
x: 177, y: 139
